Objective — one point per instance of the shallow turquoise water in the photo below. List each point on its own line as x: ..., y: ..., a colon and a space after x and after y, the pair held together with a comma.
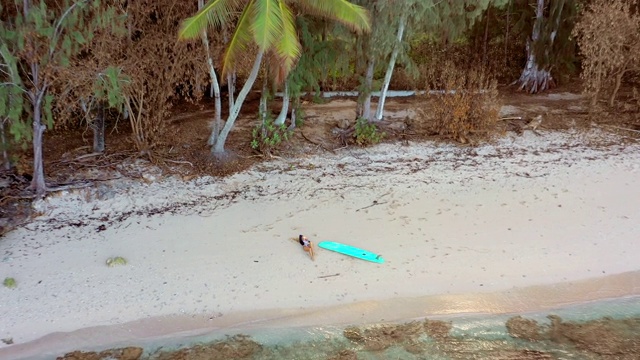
x: 472, y: 336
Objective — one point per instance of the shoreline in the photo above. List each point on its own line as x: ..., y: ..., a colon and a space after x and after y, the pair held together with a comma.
x: 171, y: 331
x: 515, y: 214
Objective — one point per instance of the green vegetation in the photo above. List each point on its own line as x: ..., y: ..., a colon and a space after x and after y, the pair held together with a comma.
x: 116, y: 261
x: 367, y: 133
x: 10, y: 283
x: 35, y: 43
x: 117, y: 67
x: 267, y: 136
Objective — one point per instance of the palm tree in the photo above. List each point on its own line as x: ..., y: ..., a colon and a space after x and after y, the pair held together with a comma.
x: 270, y: 25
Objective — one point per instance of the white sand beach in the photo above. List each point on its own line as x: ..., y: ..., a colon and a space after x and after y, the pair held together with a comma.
x: 528, y: 222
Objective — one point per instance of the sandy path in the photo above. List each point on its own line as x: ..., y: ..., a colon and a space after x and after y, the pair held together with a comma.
x: 525, y: 211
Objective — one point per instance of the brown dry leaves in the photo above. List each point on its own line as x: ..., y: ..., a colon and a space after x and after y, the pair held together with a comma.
x: 464, y: 107
x: 609, y: 38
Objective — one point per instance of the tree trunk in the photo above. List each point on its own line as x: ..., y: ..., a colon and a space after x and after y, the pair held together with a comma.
x: 506, y: 37
x: 534, y: 78
x: 262, y: 108
x: 616, y: 87
x: 6, y: 162
x: 37, y: 182
x: 285, y: 105
x: 365, y: 94
x: 231, y: 76
x: 215, y: 87
x: 218, y: 149
x: 486, y: 40
x: 231, y: 88
x: 98, y: 129
x: 392, y: 64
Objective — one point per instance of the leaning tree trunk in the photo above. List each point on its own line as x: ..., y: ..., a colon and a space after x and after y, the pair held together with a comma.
x: 535, y: 78
x: 392, y: 64
x: 218, y: 149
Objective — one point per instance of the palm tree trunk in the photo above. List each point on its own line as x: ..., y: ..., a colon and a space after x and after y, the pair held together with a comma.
x: 218, y: 149
x: 392, y: 64
x: 231, y: 76
x: 231, y: 88
x: 285, y: 106
x: 215, y: 87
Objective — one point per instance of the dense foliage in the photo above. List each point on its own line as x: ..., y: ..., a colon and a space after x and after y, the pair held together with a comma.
x: 64, y: 63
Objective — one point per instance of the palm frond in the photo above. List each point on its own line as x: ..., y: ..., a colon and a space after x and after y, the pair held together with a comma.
x: 288, y: 45
x: 240, y: 38
x: 267, y: 23
x: 213, y: 13
x: 353, y: 16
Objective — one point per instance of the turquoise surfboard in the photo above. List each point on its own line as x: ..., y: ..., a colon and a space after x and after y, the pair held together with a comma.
x: 351, y: 251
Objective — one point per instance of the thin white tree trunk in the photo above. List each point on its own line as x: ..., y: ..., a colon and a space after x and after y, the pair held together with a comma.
x: 285, y: 106
x: 37, y: 182
x: 392, y: 64
x: 235, y: 111
x: 366, y: 104
x: 215, y: 87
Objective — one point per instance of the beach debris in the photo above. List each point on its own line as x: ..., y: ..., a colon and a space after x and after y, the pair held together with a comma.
x: 375, y: 202
x: 534, y: 123
x: 10, y: 283
x: 118, y: 260
x: 328, y: 276
x: 7, y: 341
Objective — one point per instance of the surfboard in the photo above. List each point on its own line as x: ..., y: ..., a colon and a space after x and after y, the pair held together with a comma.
x: 351, y: 251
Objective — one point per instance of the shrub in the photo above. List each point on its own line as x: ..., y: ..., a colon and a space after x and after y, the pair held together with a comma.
x: 367, y: 133
x: 609, y: 38
x: 463, y: 107
x: 267, y: 136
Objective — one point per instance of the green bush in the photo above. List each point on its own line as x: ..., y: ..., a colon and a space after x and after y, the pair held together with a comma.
x: 267, y: 136
x: 367, y: 133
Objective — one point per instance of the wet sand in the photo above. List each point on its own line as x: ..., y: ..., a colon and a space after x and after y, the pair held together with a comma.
x: 528, y: 223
